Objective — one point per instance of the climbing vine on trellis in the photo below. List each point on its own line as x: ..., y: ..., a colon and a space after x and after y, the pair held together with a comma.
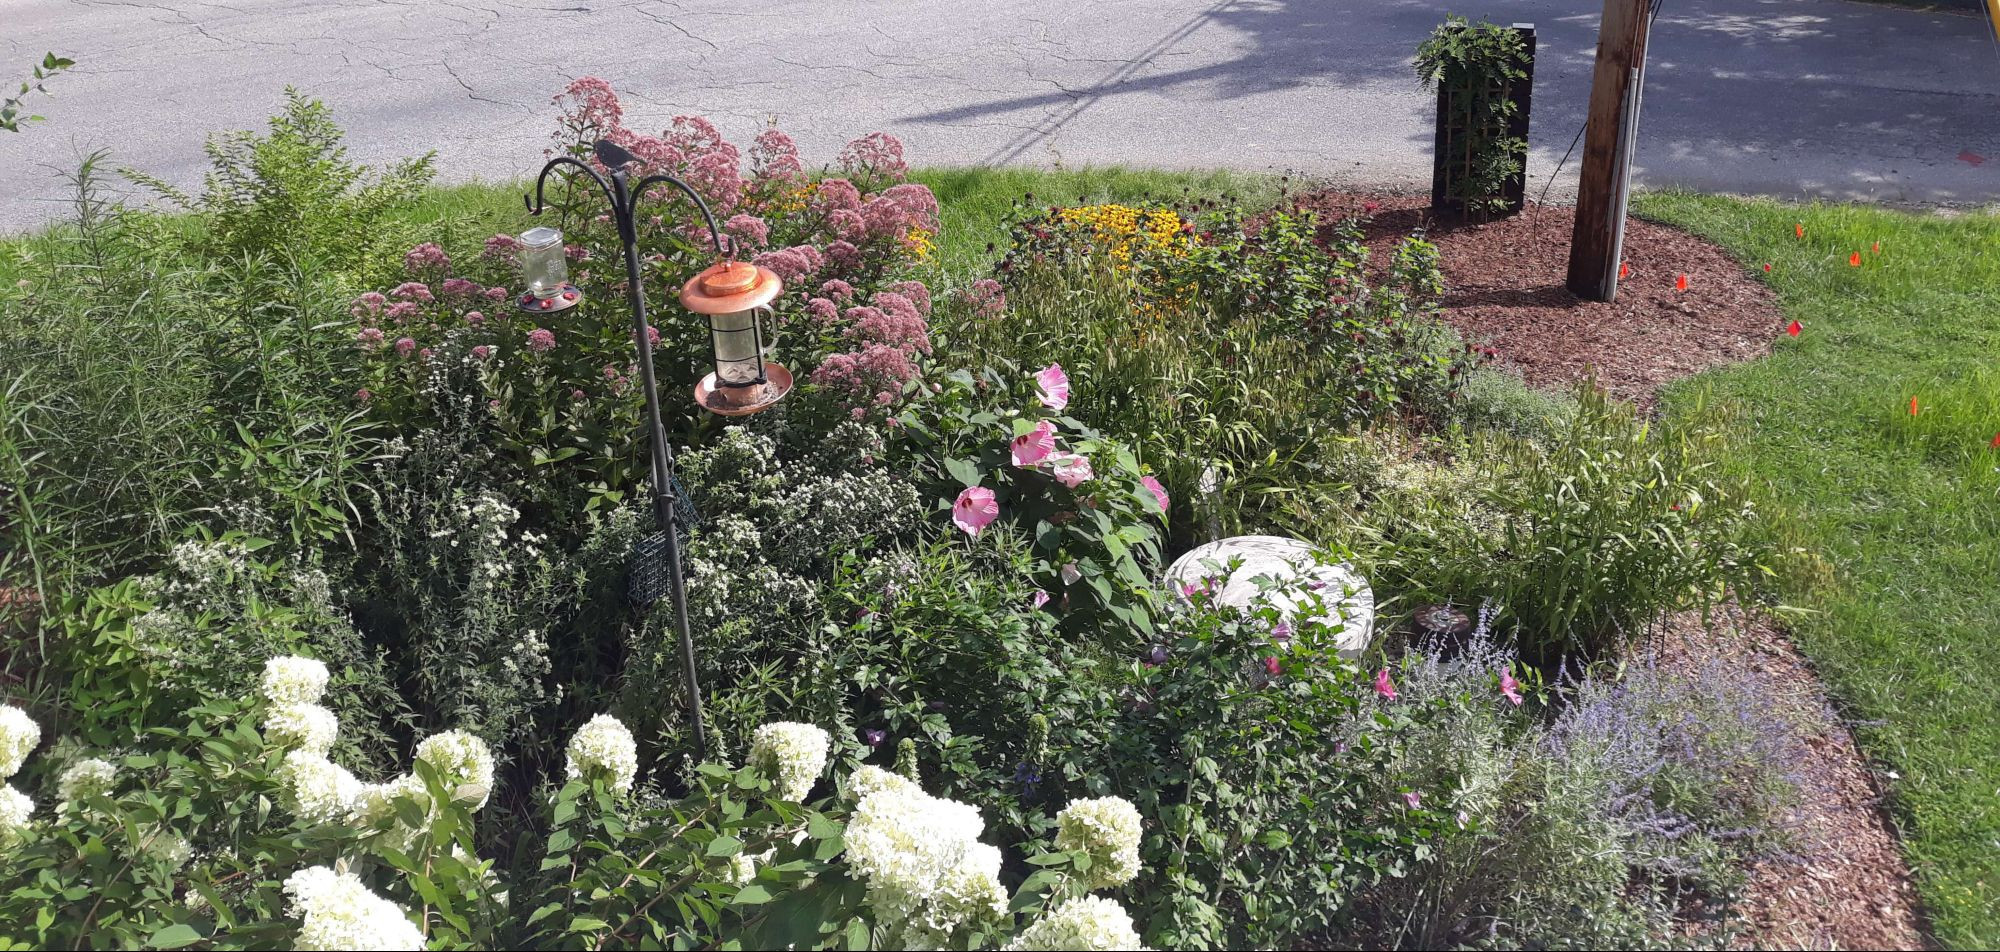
x: 1476, y: 68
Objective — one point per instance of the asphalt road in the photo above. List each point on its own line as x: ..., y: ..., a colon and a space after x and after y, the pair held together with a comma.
x: 1785, y: 97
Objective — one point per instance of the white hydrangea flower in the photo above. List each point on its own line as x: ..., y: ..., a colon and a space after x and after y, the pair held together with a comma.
x: 339, y: 912
x: 307, y: 727
x: 18, y: 735
x: 969, y: 892
x: 604, y: 743
x: 376, y: 802
x: 15, y: 809
x: 1108, y: 829
x: 465, y: 762
x: 926, y: 872
x: 871, y: 779
x: 742, y: 868
x: 792, y: 754
x: 1083, y: 924
x: 88, y: 777
x: 321, y: 790
x: 290, y: 679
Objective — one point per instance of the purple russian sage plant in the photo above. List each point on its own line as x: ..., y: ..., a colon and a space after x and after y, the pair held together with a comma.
x: 1694, y: 761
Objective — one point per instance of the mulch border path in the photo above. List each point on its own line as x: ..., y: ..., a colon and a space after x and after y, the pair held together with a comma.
x: 1847, y: 886
x: 1504, y: 289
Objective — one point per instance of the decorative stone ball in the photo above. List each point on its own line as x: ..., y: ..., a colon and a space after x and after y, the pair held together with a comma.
x: 1299, y: 571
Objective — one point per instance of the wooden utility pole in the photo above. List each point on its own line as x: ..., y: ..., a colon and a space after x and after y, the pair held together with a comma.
x: 1607, y: 149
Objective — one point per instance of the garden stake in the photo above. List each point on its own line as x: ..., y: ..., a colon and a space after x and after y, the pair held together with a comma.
x: 734, y: 296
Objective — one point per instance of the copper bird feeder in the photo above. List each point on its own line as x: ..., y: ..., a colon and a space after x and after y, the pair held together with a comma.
x: 736, y: 296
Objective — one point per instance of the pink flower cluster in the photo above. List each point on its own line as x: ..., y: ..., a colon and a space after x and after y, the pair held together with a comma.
x: 872, y: 224
x: 891, y: 330
x: 1039, y: 449
x: 426, y: 258
x: 415, y: 311
x: 875, y: 157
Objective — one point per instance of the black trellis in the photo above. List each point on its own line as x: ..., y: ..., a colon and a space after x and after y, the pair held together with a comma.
x: 1461, y: 171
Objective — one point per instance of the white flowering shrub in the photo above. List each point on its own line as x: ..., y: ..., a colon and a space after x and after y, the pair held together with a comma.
x: 1083, y: 924
x: 218, y: 622
x: 781, y: 513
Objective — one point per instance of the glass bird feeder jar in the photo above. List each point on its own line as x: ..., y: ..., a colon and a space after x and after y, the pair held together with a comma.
x: 736, y: 297
x: 545, y: 269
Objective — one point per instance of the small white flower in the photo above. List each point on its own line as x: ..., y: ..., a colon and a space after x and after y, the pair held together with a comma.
x: 86, y: 778
x: 321, y: 791
x: 1083, y: 924
x: 290, y: 679
x: 306, y: 727
x: 1107, y: 828
x: 604, y: 743
x: 15, y: 808
x: 465, y: 763
x: 18, y: 735
x: 791, y: 754
x: 339, y: 912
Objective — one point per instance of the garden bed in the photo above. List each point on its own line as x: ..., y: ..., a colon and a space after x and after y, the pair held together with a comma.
x: 1505, y: 289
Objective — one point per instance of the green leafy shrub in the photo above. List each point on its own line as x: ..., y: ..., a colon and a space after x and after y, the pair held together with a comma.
x: 1500, y: 401
x: 292, y: 194
x: 1584, y: 539
x: 1245, y: 353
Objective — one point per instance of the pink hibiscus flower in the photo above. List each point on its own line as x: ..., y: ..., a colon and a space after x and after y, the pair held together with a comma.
x: 975, y: 510
x: 1052, y: 386
x: 1159, y: 492
x: 1510, y: 687
x: 1273, y: 665
x: 1034, y: 446
x: 1069, y: 468
x: 1383, y: 686
x: 1413, y: 800
x: 1041, y: 598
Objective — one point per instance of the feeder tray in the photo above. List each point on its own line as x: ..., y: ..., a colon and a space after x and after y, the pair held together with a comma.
x: 646, y: 573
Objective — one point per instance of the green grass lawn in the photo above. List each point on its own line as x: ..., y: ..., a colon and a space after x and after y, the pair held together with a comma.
x: 1907, y: 508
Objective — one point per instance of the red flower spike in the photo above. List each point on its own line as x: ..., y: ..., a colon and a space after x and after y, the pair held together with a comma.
x: 1913, y: 406
x: 1996, y: 441
x: 1799, y: 229
x: 1854, y: 260
x: 1681, y: 283
x: 1878, y: 248
x: 1794, y: 328
x: 1624, y: 270
x: 1767, y: 269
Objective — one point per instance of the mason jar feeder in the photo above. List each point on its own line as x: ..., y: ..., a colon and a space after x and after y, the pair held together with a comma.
x: 545, y: 269
x: 736, y: 298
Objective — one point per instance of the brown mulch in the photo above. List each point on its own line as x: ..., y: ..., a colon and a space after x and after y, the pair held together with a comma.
x: 1847, y: 885
x: 1504, y: 289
